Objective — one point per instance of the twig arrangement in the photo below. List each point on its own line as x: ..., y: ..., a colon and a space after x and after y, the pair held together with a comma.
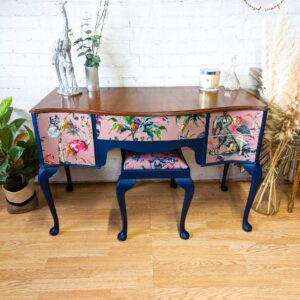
x: 281, y: 91
x: 89, y: 42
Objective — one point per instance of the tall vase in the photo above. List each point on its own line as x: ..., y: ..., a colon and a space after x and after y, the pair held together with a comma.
x: 92, y: 78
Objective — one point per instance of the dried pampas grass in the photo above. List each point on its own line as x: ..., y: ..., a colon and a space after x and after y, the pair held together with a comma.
x: 281, y: 91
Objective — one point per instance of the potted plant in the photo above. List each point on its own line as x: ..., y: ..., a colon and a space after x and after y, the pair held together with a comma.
x: 88, y: 46
x: 18, y: 161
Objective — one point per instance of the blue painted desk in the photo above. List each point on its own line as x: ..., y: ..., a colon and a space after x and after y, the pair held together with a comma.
x: 221, y: 128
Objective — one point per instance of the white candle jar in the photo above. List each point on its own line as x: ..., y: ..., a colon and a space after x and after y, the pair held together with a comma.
x: 209, y: 79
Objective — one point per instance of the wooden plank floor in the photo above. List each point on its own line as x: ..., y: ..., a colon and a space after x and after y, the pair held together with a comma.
x: 85, y: 261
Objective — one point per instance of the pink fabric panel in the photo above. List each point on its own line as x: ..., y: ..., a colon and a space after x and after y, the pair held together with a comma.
x: 226, y: 153
x: 66, y: 138
x: 251, y: 119
x: 165, y: 128
x: 152, y: 161
x: 233, y: 136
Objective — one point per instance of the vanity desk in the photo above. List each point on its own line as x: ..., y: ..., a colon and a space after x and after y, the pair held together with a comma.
x: 220, y: 127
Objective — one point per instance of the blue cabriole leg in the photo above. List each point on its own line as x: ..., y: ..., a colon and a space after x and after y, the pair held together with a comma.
x: 223, y: 186
x: 123, y: 185
x: 256, y: 172
x: 43, y: 176
x: 188, y: 185
x: 69, y: 186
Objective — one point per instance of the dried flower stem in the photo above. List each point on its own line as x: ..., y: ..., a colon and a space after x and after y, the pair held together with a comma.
x: 100, y: 20
x: 281, y: 91
x: 270, y: 179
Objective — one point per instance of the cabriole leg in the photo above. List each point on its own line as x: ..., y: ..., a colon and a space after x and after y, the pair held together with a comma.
x: 188, y: 185
x: 256, y: 172
x: 69, y: 186
x: 223, y: 186
x: 43, y: 177
x: 123, y: 185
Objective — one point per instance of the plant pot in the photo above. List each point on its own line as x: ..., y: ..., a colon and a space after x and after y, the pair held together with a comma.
x: 22, y: 201
x: 92, y: 78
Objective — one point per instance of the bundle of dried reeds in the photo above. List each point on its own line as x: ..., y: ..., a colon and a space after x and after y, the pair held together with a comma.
x: 281, y: 91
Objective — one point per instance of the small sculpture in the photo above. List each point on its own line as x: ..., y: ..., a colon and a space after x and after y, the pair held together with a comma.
x: 62, y: 59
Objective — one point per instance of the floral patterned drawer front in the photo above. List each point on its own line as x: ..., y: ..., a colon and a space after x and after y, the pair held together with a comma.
x: 154, y: 161
x: 165, y: 128
x: 233, y: 136
x: 66, y: 138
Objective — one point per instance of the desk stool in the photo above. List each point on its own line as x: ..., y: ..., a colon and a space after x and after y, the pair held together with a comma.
x: 170, y: 164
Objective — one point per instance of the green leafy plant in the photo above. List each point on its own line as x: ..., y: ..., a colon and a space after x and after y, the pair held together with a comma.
x: 18, y: 150
x: 89, y: 42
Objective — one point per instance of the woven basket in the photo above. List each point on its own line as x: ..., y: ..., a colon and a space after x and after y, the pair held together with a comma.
x: 22, y: 201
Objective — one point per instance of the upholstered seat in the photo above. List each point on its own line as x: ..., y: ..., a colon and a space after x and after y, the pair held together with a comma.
x: 168, y: 164
x: 156, y: 160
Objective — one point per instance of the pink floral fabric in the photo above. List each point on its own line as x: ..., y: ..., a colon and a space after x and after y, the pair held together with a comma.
x: 66, y: 138
x: 164, y: 128
x: 152, y: 161
x: 233, y: 136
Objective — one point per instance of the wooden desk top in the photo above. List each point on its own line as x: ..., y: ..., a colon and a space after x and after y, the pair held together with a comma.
x: 152, y: 101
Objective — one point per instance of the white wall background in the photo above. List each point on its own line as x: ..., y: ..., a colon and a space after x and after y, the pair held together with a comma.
x: 145, y: 43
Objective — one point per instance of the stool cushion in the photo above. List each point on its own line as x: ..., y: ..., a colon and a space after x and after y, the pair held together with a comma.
x: 155, y: 160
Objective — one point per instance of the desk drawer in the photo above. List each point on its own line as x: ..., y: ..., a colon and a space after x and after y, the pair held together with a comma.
x: 66, y: 138
x: 233, y: 136
x: 144, y: 128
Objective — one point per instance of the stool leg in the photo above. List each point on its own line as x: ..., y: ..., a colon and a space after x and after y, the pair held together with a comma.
x: 173, y: 183
x: 223, y: 186
x: 123, y: 185
x: 188, y: 185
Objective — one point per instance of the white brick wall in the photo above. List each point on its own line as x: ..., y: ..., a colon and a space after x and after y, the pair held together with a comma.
x: 146, y: 42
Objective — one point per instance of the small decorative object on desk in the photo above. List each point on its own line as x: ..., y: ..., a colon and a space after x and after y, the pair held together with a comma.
x: 209, y: 79
x: 88, y: 46
x: 92, y: 78
x: 231, y: 81
x: 62, y: 59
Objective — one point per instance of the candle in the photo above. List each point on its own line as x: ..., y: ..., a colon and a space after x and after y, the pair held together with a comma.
x: 209, y: 79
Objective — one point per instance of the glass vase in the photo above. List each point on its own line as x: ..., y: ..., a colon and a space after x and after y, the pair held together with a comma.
x: 231, y: 81
x: 268, y: 202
